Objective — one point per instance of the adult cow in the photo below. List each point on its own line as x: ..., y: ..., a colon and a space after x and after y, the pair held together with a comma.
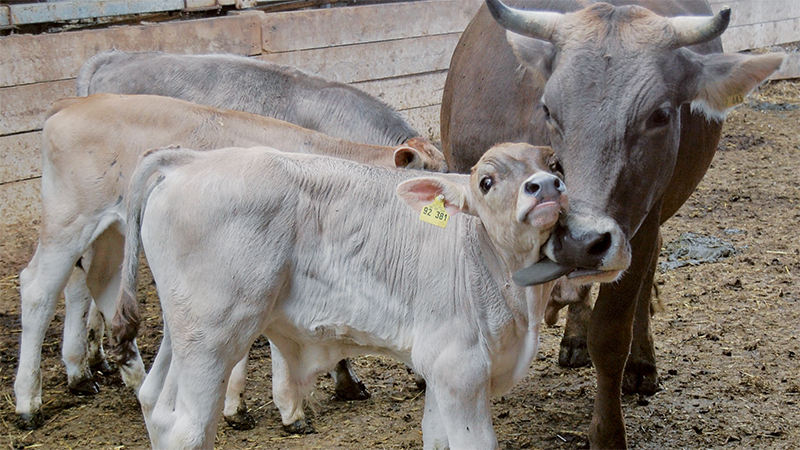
x: 325, y: 260
x: 90, y: 148
x: 632, y: 99
x: 259, y: 87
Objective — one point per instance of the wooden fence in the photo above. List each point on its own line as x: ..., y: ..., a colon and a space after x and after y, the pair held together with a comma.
x: 398, y: 52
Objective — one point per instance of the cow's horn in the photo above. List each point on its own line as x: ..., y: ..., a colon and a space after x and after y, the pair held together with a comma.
x: 536, y: 24
x: 691, y: 30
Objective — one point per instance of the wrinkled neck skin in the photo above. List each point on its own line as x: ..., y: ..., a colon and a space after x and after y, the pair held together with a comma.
x: 513, y: 331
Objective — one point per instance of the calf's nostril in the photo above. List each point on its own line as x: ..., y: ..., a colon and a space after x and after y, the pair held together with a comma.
x: 532, y: 188
x: 601, y: 245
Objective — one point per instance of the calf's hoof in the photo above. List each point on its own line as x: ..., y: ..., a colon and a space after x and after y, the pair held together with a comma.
x: 84, y: 386
x: 349, y: 389
x: 30, y: 421
x: 302, y: 426
x: 103, y: 367
x: 242, y: 420
x: 574, y: 352
x: 640, y: 377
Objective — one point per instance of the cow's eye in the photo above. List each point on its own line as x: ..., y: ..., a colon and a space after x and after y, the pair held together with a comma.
x: 546, y: 112
x: 660, y: 118
x: 486, y: 184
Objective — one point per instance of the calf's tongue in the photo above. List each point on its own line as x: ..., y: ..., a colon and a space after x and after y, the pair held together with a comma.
x: 541, y: 272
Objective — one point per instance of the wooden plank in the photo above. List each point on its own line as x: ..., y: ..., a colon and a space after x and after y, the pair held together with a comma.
x: 26, y: 59
x: 761, y: 35
x: 21, y: 203
x: 425, y: 120
x: 22, y: 157
x: 355, y: 63
x: 22, y: 107
x: 20, y: 213
x: 413, y: 91
x: 753, y: 12
x: 303, y: 30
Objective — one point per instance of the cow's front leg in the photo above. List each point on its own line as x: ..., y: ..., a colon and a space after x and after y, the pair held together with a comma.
x: 609, y: 338
x: 573, y: 352
x: 641, y: 375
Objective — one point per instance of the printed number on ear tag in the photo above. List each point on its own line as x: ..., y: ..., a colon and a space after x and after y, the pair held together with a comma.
x: 435, y: 213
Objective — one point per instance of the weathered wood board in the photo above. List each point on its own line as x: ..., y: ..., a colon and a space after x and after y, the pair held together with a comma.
x: 22, y: 159
x: 28, y: 59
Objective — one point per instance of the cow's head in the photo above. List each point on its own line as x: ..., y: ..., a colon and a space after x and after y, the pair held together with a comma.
x: 515, y: 190
x: 616, y: 78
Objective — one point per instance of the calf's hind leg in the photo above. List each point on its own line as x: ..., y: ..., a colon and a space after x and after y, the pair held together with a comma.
x: 103, y: 279
x: 74, y: 345
x: 289, y: 391
x: 41, y: 283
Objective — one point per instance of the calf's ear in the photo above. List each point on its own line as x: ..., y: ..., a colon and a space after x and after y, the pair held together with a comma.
x: 726, y: 78
x: 406, y: 157
x: 421, y: 192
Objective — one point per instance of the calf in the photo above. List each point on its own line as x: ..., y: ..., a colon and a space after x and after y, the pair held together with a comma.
x: 322, y: 257
x: 251, y: 85
x: 90, y: 147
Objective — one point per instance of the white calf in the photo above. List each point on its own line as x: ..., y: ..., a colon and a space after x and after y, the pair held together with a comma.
x: 323, y: 258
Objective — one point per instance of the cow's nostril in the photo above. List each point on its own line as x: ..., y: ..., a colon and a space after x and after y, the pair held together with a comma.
x: 532, y: 188
x: 601, y: 244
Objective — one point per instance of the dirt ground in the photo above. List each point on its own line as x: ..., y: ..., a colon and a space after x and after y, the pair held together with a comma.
x: 727, y: 338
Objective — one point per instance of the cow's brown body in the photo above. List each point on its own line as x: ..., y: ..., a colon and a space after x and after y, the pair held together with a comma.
x: 602, y: 80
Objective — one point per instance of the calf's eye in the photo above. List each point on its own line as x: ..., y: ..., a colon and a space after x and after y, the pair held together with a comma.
x: 486, y: 184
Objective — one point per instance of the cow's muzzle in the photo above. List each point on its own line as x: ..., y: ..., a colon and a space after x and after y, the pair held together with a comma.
x: 587, y: 248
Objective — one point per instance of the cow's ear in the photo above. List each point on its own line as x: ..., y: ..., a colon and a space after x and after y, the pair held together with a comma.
x: 406, y: 157
x: 726, y: 78
x: 421, y: 192
x: 537, y: 55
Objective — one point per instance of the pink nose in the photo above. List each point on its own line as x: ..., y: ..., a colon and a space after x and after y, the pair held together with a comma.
x: 544, y: 186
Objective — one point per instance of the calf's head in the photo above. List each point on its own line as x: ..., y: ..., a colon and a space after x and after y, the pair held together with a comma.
x: 420, y: 153
x: 615, y: 79
x: 515, y: 190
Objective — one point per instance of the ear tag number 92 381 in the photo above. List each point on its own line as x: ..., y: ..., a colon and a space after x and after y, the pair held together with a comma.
x: 435, y: 213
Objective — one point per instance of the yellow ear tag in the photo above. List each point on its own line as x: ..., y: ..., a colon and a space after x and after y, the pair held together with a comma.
x: 435, y: 213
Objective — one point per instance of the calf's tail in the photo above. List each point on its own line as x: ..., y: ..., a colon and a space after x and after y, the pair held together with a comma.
x: 89, y: 68
x: 126, y: 320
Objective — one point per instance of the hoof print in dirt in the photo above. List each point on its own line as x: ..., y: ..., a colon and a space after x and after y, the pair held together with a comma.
x: 574, y: 352
x: 300, y: 427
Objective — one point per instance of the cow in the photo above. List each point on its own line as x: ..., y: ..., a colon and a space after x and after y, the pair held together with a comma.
x: 259, y: 87
x: 631, y: 97
x: 324, y: 259
x: 90, y: 147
